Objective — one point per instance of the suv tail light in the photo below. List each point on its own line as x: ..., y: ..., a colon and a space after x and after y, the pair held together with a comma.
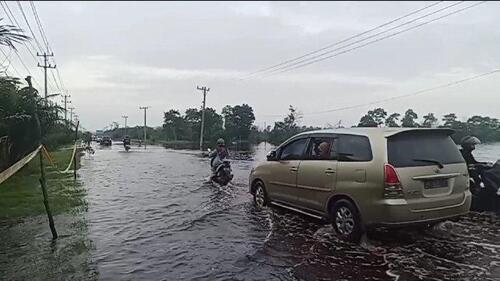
x: 392, y: 187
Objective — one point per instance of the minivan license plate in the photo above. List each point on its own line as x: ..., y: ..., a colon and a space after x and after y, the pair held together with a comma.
x: 436, y: 183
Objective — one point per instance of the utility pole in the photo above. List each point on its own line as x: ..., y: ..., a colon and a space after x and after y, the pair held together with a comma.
x: 205, y: 90
x: 71, y: 114
x: 66, y: 101
x: 125, y: 117
x: 45, y: 65
x: 145, y: 108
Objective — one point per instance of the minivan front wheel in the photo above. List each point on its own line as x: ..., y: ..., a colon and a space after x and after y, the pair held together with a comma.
x: 346, y: 221
x: 259, y: 195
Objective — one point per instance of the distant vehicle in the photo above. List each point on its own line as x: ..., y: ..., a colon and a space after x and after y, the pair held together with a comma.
x: 106, y: 141
x: 366, y: 177
x: 126, y: 143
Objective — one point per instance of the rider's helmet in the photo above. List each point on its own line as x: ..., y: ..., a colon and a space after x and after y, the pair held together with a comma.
x: 470, y: 142
x: 221, y: 142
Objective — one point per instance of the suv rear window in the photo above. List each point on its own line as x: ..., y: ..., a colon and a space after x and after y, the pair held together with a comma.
x: 422, y: 149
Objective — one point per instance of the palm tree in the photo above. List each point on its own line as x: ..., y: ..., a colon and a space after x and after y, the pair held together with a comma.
x: 10, y: 34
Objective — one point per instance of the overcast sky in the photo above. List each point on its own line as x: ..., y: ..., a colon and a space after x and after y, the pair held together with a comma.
x: 116, y: 56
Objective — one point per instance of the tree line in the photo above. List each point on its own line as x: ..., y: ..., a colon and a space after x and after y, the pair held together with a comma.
x: 485, y: 128
x: 235, y: 124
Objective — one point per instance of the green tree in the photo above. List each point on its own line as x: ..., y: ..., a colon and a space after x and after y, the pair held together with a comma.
x: 173, y: 125
x: 450, y: 120
x: 391, y: 120
x: 378, y: 115
x: 429, y: 120
x: 18, y: 108
x: 283, y: 130
x: 409, y: 118
x: 367, y: 121
x: 213, y: 124
x: 238, y: 121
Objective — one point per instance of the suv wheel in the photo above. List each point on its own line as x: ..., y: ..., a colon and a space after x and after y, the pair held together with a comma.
x: 346, y: 221
x: 259, y: 195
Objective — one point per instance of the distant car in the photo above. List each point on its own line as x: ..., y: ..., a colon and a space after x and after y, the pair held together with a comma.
x: 366, y: 177
x: 106, y: 141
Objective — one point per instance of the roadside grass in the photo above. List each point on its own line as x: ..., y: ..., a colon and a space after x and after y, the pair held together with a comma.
x: 21, y: 195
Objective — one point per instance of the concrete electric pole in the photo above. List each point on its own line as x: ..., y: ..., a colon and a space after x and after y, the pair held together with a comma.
x: 125, y: 117
x: 71, y: 114
x: 66, y: 101
x: 145, y: 108
x: 45, y: 65
x: 205, y: 90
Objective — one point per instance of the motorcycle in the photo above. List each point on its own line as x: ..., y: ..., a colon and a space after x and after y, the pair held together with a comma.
x: 223, y: 172
x: 485, y: 186
x: 126, y: 144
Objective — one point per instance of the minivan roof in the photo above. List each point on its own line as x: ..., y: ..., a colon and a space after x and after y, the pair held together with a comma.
x: 385, y: 132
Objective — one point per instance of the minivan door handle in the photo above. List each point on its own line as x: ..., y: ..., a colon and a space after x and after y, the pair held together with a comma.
x: 293, y: 169
x: 329, y: 171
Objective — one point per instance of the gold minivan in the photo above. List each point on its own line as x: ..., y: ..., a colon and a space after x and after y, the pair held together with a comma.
x: 366, y: 177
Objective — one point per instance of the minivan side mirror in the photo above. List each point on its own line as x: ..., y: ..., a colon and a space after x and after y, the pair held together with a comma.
x: 271, y: 156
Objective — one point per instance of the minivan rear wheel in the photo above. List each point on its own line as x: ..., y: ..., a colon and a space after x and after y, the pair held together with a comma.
x: 346, y: 221
x: 259, y: 195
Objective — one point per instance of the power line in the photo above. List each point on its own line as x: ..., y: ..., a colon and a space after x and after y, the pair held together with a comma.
x: 13, y: 20
x: 55, y: 80
x: 380, y: 39
x: 344, y: 40
x: 29, y: 26
x: 401, y: 96
x: 7, y: 59
x: 49, y: 48
x: 10, y: 64
x: 40, y: 26
x: 366, y: 38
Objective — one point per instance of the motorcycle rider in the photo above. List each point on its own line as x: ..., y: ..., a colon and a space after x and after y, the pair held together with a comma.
x: 468, y: 144
x: 126, y: 142
x: 218, y: 155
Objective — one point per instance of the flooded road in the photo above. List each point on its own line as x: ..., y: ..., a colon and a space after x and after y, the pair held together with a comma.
x: 150, y: 215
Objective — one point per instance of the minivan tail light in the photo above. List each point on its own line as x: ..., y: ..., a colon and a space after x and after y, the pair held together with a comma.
x: 391, y: 177
x: 392, y: 186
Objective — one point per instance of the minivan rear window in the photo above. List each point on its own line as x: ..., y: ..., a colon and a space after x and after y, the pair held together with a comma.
x: 422, y: 149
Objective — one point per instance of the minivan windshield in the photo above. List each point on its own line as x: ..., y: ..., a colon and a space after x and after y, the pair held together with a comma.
x: 422, y: 149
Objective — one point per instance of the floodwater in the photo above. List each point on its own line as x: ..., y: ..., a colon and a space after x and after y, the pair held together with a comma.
x: 150, y: 215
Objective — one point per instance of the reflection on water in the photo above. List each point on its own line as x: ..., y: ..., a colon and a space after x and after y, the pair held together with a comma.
x: 29, y: 253
x: 152, y: 216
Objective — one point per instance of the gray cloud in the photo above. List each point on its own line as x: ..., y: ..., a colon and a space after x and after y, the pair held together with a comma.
x: 116, y: 56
